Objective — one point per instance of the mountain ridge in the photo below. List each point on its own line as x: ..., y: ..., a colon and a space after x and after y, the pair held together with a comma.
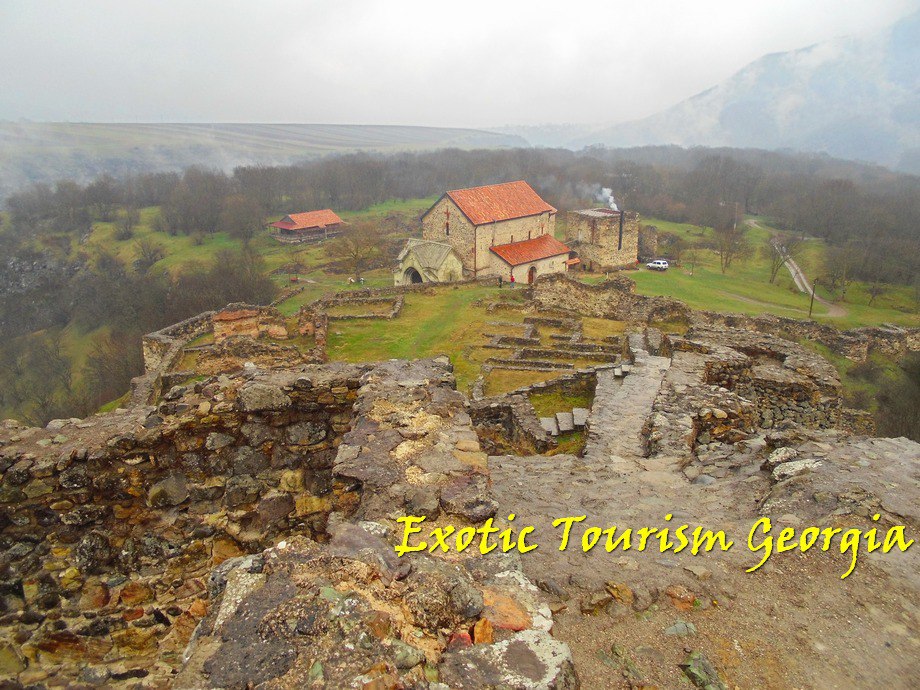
x: 852, y: 97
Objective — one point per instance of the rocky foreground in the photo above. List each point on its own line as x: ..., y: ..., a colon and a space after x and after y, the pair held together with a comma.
x: 241, y: 534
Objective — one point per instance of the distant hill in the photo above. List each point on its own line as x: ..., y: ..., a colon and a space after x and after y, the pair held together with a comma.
x: 855, y: 98
x: 45, y: 152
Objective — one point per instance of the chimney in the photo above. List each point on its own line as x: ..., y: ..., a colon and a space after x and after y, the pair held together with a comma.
x: 620, y: 243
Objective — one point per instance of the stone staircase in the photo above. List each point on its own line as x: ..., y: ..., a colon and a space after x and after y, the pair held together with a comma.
x: 577, y: 419
x: 565, y: 422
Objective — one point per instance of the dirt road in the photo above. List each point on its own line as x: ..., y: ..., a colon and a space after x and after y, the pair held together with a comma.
x: 801, y: 282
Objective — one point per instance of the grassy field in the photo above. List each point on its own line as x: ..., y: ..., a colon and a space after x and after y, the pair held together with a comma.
x: 185, y: 251
x: 422, y: 331
x: 745, y: 287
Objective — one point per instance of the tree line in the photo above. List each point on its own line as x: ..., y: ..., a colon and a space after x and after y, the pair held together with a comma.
x: 118, y: 303
x: 870, y: 214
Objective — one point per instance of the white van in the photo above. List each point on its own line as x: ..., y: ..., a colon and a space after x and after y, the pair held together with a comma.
x: 657, y: 265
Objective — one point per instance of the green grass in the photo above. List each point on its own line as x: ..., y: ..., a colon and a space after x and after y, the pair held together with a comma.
x: 745, y: 288
x: 500, y: 381
x: 411, y: 209
x: 447, y: 322
x: 861, y: 383
x: 572, y: 443
x: 115, y: 404
x: 354, y: 309
x: 548, y: 404
x: 598, y: 329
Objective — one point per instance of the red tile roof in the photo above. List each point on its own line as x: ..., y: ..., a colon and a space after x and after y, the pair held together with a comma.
x: 308, y: 220
x: 497, y: 202
x: 541, y: 247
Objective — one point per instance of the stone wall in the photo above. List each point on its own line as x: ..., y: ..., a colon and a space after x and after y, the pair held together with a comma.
x: 157, y: 344
x: 132, y: 541
x: 395, y: 304
x: 606, y: 300
x: 509, y: 425
x: 785, y: 381
x: 162, y: 350
x: 648, y: 242
x: 248, y: 320
x: 616, y: 299
x: 116, y: 521
x: 444, y: 222
x: 856, y: 344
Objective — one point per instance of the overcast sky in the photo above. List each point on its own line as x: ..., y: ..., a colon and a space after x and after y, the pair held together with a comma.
x: 463, y: 63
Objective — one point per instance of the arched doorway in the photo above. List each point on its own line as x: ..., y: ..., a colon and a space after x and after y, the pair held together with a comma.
x: 532, y: 274
x: 412, y: 276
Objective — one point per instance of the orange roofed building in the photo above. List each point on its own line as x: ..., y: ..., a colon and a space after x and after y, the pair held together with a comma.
x: 309, y: 226
x: 498, y: 230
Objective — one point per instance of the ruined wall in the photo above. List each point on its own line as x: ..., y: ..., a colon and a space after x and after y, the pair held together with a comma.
x: 606, y: 300
x: 248, y: 320
x: 855, y: 344
x: 595, y: 235
x: 162, y: 349
x: 783, y: 380
x: 124, y: 533
x: 112, y: 524
x: 393, y: 302
x: 616, y: 299
x: 509, y: 425
x: 648, y: 242
x: 157, y: 344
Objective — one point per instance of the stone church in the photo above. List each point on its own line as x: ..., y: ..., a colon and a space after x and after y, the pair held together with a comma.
x: 498, y: 230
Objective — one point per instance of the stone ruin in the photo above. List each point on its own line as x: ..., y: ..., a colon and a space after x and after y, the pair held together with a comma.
x: 239, y: 532
x: 134, y: 541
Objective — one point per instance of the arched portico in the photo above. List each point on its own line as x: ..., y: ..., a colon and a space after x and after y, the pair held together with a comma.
x: 412, y: 276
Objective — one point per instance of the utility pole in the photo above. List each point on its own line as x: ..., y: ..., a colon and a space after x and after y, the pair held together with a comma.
x: 814, y: 286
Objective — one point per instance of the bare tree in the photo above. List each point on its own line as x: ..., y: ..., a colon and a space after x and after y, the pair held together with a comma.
x: 731, y: 243
x: 842, y: 264
x: 356, y: 248
x: 779, y: 248
x: 672, y: 246
x: 875, y: 290
x: 148, y: 253
x: 691, y: 258
x: 241, y: 216
x: 126, y: 222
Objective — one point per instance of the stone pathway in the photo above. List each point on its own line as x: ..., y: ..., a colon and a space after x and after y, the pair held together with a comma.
x: 621, y: 409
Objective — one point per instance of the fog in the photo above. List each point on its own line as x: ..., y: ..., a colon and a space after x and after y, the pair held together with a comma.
x: 469, y: 64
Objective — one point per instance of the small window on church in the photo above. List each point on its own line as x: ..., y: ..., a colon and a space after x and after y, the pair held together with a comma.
x: 528, y: 234
x: 447, y: 228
